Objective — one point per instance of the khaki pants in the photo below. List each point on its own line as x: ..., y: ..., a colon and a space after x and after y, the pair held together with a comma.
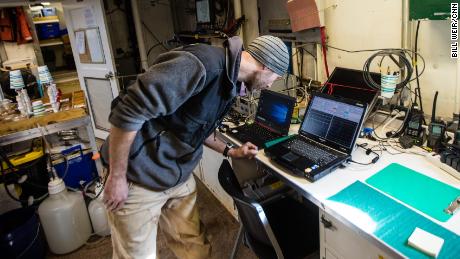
x: 134, y: 227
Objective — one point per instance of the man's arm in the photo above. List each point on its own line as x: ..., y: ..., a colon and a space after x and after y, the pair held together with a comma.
x: 247, y: 150
x: 116, y: 186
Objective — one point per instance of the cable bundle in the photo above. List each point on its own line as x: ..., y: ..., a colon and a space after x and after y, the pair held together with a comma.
x: 407, y: 67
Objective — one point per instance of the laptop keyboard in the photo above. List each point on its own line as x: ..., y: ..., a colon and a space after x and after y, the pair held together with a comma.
x: 255, y: 134
x: 312, y: 152
x: 263, y: 133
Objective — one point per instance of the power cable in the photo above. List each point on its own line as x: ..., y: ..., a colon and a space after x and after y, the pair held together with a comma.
x: 388, y: 53
x: 417, y: 89
x: 153, y: 35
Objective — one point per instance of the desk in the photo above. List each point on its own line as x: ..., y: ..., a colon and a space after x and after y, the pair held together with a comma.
x: 13, y: 132
x: 351, y: 240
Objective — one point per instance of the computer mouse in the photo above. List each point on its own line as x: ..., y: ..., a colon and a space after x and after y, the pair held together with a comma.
x: 234, y: 131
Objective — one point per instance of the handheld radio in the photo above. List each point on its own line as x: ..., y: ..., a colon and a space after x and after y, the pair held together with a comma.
x: 457, y: 135
x: 414, y: 128
x: 436, y: 129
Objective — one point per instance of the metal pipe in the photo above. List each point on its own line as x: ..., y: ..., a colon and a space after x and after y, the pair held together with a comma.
x: 238, y: 11
x: 139, y: 34
x: 405, y: 25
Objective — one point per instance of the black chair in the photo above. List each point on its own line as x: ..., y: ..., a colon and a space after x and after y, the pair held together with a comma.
x: 277, y: 227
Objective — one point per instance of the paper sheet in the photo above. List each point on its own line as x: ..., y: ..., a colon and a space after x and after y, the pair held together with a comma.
x: 80, y: 39
x: 94, y: 46
x: 90, y: 20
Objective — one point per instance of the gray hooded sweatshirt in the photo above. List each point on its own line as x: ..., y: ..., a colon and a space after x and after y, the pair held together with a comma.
x: 174, y: 106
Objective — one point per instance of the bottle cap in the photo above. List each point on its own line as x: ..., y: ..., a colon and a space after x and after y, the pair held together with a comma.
x: 56, y: 186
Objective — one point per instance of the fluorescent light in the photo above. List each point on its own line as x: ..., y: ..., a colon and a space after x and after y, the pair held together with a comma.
x: 45, y: 3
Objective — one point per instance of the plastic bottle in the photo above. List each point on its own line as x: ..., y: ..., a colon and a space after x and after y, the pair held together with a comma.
x: 98, y: 215
x: 64, y: 218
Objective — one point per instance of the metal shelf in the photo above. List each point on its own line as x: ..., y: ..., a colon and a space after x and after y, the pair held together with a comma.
x: 51, y: 42
x: 46, y: 19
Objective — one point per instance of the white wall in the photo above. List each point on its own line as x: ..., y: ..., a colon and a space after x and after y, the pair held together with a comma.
x: 361, y: 24
x: 442, y: 72
x: 364, y: 24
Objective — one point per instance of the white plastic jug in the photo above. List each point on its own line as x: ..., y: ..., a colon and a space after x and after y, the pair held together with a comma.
x: 98, y: 215
x: 64, y: 218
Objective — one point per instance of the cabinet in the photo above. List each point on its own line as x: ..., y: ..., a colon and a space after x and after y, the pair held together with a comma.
x: 338, y: 241
x: 207, y: 172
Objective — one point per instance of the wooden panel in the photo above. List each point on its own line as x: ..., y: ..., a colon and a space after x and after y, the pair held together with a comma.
x: 16, y: 126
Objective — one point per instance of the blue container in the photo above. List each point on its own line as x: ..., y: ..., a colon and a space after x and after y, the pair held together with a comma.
x: 49, y: 11
x: 21, y: 235
x: 48, y: 30
x: 81, y: 167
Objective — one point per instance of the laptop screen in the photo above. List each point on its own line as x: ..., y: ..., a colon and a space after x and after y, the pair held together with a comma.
x: 274, y: 111
x: 333, y: 122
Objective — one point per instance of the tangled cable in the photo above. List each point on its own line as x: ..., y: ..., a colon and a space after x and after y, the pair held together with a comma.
x: 407, y: 67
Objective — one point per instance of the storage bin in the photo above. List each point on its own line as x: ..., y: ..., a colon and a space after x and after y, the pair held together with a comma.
x: 48, y: 30
x: 81, y: 167
x: 21, y: 235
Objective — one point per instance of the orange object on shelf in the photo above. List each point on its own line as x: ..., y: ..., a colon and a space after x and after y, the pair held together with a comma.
x: 24, y: 34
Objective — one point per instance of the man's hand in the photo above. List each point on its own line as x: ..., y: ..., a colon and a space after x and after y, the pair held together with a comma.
x: 247, y: 150
x: 115, y: 192
x: 116, y: 187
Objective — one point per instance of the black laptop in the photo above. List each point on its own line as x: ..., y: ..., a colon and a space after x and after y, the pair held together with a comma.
x: 326, y: 137
x: 272, y: 120
x: 349, y: 83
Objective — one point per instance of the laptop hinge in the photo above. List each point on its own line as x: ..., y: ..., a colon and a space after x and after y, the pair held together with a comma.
x: 267, y: 128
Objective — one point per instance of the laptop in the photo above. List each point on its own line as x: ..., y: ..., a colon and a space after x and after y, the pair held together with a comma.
x: 349, y: 83
x: 325, y: 140
x: 272, y: 120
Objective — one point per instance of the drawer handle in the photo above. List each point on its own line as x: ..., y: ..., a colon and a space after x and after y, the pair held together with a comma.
x: 326, y: 223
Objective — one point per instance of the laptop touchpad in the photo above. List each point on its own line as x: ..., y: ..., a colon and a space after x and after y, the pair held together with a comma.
x: 289, y: 157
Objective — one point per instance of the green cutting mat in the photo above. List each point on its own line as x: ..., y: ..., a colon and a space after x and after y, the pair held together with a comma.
x: 395, y: 222
x: 417, y: 190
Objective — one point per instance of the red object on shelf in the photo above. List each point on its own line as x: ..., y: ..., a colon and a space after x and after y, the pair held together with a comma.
x: 23, y: 31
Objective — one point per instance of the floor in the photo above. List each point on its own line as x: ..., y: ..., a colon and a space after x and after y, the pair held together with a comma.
x: 220, y: 225
x: 221, y: 230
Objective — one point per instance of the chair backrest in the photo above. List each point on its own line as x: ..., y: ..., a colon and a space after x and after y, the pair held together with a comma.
x: 251, y: 214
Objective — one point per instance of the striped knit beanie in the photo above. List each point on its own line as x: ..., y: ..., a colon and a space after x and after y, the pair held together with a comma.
x: 271, y: 52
